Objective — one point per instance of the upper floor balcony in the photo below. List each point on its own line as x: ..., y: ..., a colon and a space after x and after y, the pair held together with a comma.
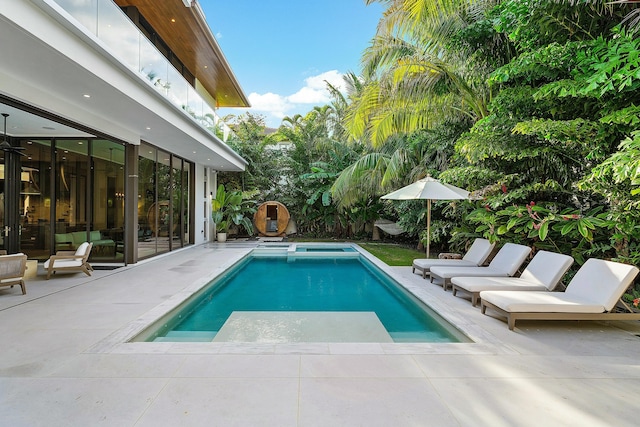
x: 204, y: 80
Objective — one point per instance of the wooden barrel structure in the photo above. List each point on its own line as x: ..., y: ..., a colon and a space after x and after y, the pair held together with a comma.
x: 271, y: 219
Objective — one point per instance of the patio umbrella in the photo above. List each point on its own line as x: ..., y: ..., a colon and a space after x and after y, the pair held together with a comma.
x: 428, y: 189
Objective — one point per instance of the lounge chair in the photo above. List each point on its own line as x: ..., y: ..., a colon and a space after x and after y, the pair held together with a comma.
x: 12, y: 268
x: 70, y: 261
x: 543, y: 273
x: 475, y: 256
x: 592, y: 294
x: 505, y: 264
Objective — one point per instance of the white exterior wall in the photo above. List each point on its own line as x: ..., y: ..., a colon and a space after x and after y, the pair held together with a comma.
x: 49, y: 64
x: 203, y: 188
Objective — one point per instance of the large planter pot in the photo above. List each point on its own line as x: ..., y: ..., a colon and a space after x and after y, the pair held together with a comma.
x: 222, y: 237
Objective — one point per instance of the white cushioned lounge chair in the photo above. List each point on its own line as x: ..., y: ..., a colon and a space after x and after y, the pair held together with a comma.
x: 592, y: 294
x: 505, y: 264
x: 543, y: 273
x: 475, y: 256
x: 12, y: 269
x: 70, y: 261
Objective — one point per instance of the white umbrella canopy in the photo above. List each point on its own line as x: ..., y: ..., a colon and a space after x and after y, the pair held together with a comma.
x: 428, y: 189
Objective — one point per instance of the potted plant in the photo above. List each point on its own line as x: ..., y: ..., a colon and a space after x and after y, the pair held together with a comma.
x: 228, y: 208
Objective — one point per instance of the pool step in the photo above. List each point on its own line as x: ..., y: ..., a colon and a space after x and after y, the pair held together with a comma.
x: 293, y: 251
x: 187, y: 336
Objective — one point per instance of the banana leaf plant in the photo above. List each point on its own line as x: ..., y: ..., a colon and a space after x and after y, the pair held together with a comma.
x: 229, y: 208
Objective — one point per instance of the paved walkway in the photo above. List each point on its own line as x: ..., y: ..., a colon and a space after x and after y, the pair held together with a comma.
x: 64, y: 362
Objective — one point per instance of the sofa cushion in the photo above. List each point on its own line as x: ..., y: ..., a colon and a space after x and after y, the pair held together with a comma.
x: 63, y: 238
x: 79, y: 237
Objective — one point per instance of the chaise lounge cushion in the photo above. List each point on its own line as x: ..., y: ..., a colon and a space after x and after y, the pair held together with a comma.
x: 543, y: 273
x: 541, y: 302
x: 595, y: 288
x: 475, y: 256
x: 506, y: 263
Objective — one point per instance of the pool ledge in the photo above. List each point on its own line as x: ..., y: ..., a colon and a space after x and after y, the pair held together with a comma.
x: 482, y: 341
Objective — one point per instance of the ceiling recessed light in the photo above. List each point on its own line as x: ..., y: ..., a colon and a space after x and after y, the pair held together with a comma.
x: 194, y: 152
x: 80, y: 142
x: 148, y: 128
x: 173, y: 19
x: 86, y: 95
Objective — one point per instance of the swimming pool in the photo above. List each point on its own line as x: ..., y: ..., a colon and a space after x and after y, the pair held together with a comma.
x: 305, y: 298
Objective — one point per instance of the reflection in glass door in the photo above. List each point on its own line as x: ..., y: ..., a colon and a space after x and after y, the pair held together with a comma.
x: 106, y: 230
x: 163, y: 202
x: 163, y: 227
x: 35, y: 199
x: 147, y: 199
x: 178, y: 204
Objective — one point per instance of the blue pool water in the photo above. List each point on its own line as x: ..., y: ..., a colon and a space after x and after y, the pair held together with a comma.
x: 315, y: 284
x: 324, y: 249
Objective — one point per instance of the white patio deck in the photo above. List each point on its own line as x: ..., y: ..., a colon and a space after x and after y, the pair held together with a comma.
x: 64, y: 363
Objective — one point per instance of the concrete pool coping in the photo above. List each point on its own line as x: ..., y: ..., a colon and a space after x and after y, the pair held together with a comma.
x: 543, y: 373
x: 121, y: 340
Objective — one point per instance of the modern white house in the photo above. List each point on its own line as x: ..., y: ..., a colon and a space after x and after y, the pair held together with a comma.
x: 109, y: 129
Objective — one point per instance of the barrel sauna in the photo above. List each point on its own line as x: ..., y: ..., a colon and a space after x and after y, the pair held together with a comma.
x: 271, y: 219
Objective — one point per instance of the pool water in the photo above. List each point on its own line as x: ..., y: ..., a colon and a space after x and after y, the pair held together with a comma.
x: 278, y: 284
x: 323, y: 249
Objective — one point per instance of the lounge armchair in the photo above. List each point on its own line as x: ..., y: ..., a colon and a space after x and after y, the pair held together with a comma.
x: 12, y: 268
x: 592, y: 294
x: 70, y: 261
x: 543, y: 273
x: 505, y: 264
x: 475, y: 256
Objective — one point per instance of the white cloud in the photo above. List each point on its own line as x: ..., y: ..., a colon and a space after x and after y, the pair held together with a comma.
x: 320, y: 81
x: 271, y: 103
x: 309, y: 95
x: 314, y: 92
x: 315, y: 89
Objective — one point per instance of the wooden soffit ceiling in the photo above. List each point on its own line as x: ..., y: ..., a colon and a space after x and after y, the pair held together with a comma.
x: 186, y: 32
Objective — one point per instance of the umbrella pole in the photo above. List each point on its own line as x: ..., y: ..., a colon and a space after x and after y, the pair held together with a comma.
x: 428, y: 225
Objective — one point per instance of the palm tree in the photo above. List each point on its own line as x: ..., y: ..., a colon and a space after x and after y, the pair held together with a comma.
x: 414, y: 79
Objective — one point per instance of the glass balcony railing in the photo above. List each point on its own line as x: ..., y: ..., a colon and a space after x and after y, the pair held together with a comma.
x: 108, y: 23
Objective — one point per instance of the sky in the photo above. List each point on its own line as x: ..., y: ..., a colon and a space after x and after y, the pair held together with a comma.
x: 282, y: 51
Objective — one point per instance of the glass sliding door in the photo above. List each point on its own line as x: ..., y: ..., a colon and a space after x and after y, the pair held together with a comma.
x: 35, y: 199
x: 71, y: 191
x: 186, y: 206
x: 164, y: 220
x: 147, y: 201
x: 164, y: 192
x: 106, y: 230
x: 178, y: 203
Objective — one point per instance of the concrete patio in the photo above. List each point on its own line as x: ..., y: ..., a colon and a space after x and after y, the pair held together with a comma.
x: 64, y: 362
